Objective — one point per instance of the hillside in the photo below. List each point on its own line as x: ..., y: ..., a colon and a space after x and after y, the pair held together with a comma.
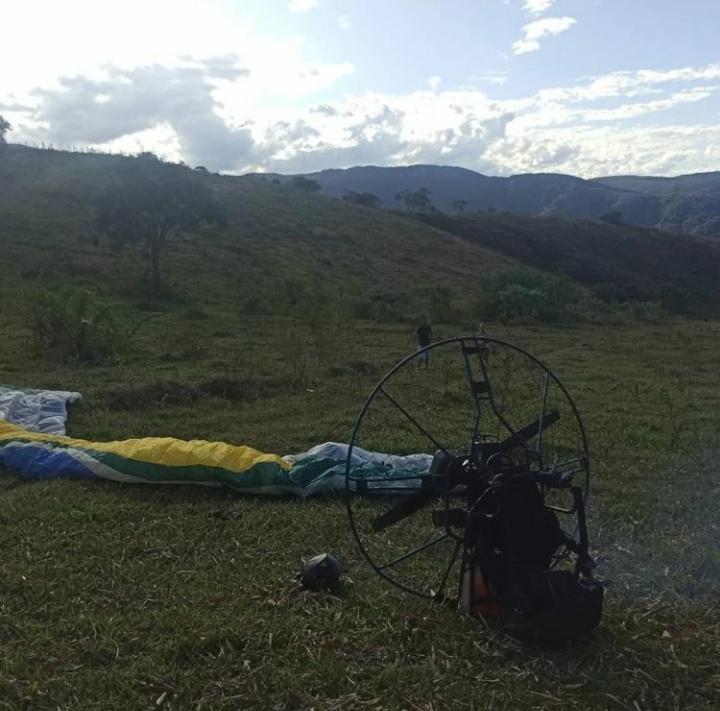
x: 617, y: 261
x: 688, y: 204
x: 281, y: 245
x: 700, y: 183
x: 284, y: 246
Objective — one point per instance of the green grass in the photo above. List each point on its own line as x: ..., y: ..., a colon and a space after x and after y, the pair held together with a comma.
x: 119, y: 597
x: 115, y: 595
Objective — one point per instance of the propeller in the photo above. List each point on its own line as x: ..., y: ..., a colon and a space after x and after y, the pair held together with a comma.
x: 530, y: 431
x: 404, y: 508
x: 439, y: 472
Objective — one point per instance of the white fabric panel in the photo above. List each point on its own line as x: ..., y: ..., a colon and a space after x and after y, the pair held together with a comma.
x: 36, y: 410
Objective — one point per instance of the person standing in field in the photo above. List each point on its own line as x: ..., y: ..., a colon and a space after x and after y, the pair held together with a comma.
x: 424, y: 339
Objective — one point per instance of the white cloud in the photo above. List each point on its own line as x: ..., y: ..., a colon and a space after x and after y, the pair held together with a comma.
x: 245, y: 101
x: 535, y: 7
x: 498, y: 79
x: 632, y: 110
x: 612, y: 150
x: 302, y: 5
x: 255, y: 103
x: 449, y: 128
x: 494, y: 78
x: 630, y: 83
x: 74, y: 38
x: 535, y: 31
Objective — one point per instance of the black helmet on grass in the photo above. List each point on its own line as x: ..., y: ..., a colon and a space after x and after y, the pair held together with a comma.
x: 321, y: 572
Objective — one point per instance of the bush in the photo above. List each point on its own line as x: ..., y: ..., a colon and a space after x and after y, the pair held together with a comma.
x: 527, y: 295
x: 73, y: 325
x: 443, y: 307
x: 381, y: 306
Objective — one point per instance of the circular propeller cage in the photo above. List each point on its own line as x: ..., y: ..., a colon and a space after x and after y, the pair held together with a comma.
x: 483, y: 406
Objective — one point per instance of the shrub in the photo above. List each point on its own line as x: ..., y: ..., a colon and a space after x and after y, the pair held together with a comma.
x: 72, y: 324
x: 524, y: 294
x: 443, y: 307
x: 382, y: 306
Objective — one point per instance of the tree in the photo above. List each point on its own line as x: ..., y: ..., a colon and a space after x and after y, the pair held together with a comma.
x: 310, y: 186
x: 460, y: 205
x: 4, y: 128
x: 152, y: 201
x: 417, y: 200
x: 365, y: 199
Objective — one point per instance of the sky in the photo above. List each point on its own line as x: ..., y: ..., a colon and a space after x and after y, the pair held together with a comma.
x: 586, y: 87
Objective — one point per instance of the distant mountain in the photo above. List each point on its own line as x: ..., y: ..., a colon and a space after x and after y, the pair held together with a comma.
x: 665, y: 187
x: 689, y: 204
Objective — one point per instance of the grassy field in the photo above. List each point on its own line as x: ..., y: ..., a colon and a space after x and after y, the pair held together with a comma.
x: 129, y: 597
x: 120, y: 597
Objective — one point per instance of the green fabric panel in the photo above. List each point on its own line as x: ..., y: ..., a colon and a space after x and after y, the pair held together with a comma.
x: 263, y: 474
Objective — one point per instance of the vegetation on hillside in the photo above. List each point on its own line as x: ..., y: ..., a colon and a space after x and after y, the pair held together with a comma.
x: 71, y: 324
x: 279, y: 245
x: 531, y: 296
x: 618, y: 262
x: 365, y: 199
x: 147, y: 202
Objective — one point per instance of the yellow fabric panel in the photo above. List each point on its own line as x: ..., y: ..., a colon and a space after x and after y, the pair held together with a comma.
x: 160, y: 450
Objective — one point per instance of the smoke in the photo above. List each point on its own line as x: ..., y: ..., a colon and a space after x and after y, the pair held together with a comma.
x: 667, y: 545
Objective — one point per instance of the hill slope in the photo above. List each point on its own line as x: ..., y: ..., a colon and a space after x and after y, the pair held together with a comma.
x: 284, y: 246
x: 280, y: 242
x: 619, y: 261
x: 688, y: 204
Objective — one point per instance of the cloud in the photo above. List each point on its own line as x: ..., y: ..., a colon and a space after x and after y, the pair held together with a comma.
x: 130, y: 102
x: 302, y: 5
x: 12, y: 106
x: 495, y: 78
x: 217, y: 112
x: 630, y: 84
x: 614, y: 150
x: 324, y: 109
x: 632, y: 110
x: 535, y: 7
x: 344, y: 22
x: 535, y: 31
x: 449, y: 128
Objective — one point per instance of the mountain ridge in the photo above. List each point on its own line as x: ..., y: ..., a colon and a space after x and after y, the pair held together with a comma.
x: 687, y: 203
